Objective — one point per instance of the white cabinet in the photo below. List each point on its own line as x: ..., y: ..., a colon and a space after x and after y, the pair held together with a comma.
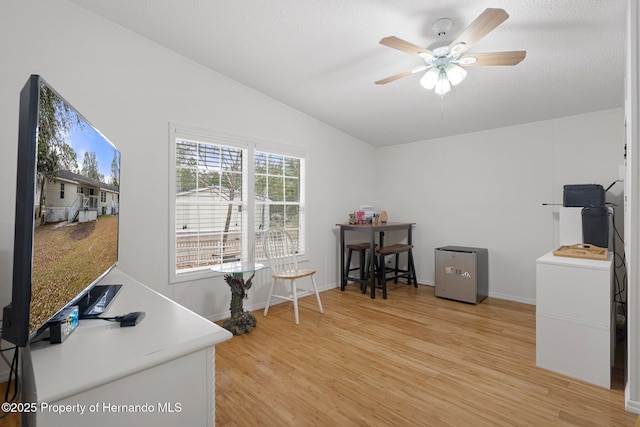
x: 159, y: 373
x: 575, y: 327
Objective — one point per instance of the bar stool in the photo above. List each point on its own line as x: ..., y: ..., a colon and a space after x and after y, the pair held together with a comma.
x: 382, y: 270
x: 363, y: 261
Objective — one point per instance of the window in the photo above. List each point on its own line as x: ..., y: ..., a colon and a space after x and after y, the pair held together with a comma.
x: 62, y: 190
x: 208, y: 204
x: 222, y: 187
x: 278, y: 195
x: 103, y: 196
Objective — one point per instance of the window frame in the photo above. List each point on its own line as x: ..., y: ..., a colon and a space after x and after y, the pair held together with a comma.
x: 249, y: 145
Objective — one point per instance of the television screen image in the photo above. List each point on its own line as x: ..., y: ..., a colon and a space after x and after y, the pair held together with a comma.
x: 67, y: 206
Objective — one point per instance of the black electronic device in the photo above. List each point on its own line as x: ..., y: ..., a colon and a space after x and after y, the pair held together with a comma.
x: 132, y: 319
x: 583, y: 195
x: 595, y: 226
x: 82, y: 208
x: 61, y: 326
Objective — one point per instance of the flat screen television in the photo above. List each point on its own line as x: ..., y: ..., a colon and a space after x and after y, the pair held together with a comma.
x: 66, y: 214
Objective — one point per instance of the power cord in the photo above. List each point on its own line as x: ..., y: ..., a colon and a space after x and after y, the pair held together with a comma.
x: 13, y: 376
x: 129, y: 319
x: 619, y: 284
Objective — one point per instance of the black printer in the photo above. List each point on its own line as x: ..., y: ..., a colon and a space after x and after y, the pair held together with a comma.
x: 583, y: 195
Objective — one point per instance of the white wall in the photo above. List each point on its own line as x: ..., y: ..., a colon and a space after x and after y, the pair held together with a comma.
x: 486, y: 189
x: 483, y: 189
x: 131, y: 89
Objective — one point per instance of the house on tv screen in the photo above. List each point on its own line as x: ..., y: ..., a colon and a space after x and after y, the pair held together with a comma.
x: 73, y: 197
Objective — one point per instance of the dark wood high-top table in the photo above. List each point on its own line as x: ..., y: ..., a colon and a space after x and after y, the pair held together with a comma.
x: 371, y: 229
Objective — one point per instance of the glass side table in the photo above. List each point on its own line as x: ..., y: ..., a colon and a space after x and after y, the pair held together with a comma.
x: 240, y: 321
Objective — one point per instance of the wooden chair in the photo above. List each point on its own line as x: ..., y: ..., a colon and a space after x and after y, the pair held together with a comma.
x: 281, y: 254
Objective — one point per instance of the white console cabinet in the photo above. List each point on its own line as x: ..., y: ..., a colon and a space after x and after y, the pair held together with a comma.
x: 160, y: 372
x: 575, y: 327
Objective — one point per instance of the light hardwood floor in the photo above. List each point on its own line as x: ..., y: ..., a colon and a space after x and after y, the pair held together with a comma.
x: 11, y: 419
x: 410, y: 360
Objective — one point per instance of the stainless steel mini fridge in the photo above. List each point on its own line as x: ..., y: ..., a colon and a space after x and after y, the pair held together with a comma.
x: 462, y: 273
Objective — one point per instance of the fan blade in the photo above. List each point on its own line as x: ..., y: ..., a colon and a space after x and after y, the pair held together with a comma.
x: 401, y: 75
x: 483, y: 24
x: 405, y: 46
x: 495, y: 58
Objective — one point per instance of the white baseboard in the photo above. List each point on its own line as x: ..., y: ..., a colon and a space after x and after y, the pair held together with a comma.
x: 512, y: 298
x: 632, y: 406
x: 497, y: 295
x: 260, y: 305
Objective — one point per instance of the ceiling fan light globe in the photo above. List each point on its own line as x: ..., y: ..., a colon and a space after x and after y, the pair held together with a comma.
x: 430, y: 78
x: 442, y: 85
x: 455, y: 73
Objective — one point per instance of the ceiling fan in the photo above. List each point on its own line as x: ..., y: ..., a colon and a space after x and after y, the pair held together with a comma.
x: 445, y: 64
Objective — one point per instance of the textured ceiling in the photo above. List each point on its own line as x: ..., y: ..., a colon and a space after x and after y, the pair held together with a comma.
x: 322, y: 58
